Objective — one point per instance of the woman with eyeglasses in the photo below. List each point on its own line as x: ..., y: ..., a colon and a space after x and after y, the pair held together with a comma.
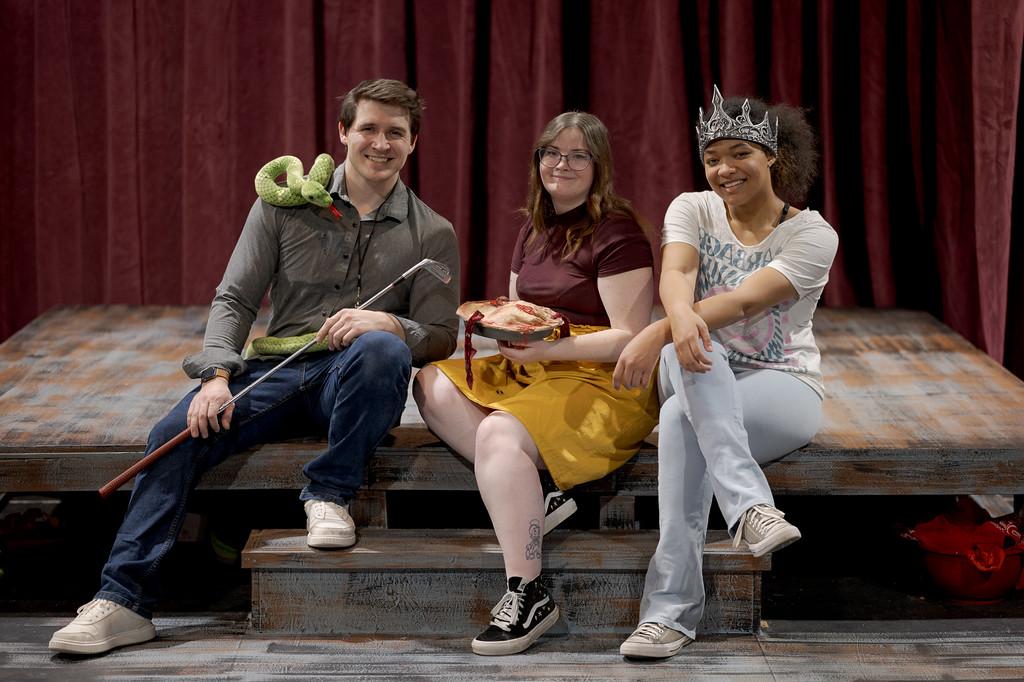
x: 551, y: 404
x: 740, y: 378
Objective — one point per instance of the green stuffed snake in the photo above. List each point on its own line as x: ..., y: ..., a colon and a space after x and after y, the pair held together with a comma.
x: 300, y: 189
x: 283, y: 345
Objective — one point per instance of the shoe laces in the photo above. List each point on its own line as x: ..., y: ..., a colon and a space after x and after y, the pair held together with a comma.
x: 319, y: 510
x: 650, y: 632
x: 95, y: 609
x: 507, y: 611
x: 759, y: 520
x: 326, y: 510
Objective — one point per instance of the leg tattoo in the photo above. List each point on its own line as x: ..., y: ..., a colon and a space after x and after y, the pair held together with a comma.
x: 533, y: 547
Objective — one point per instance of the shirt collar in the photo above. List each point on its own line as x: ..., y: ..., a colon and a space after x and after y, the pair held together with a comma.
x: 570, y: 217
x: 395, y: 206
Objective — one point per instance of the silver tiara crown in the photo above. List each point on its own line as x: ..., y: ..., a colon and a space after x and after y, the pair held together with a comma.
x: 722, y: 125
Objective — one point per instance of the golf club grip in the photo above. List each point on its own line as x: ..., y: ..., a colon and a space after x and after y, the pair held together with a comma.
x: 146, y: 461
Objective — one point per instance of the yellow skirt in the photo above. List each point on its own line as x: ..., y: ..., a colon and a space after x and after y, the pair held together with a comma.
x: 583, y: 427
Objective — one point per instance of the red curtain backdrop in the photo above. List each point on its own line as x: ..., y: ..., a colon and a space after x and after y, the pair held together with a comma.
x: 132, y: 130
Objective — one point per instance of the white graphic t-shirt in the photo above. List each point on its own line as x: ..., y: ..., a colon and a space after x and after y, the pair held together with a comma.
x: 801, y: 248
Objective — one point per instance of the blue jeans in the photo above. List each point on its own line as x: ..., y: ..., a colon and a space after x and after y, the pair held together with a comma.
x: 355, y: 396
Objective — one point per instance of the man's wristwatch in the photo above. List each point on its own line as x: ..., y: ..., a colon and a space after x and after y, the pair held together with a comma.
x: 213, y: 373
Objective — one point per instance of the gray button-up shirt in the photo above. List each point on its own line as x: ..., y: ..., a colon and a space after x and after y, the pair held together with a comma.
x: 310, y: 263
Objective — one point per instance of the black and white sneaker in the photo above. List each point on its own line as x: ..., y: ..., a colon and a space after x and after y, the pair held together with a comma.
x: 558, y: 506
x: 520, y: 618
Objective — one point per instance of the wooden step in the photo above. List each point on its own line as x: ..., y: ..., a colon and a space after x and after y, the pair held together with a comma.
x: 419, y: 582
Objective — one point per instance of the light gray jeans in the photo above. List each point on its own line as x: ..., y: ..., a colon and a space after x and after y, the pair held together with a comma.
x: 715, y: 430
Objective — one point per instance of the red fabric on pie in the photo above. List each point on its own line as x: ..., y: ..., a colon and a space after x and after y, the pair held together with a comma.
x: 514, y: 316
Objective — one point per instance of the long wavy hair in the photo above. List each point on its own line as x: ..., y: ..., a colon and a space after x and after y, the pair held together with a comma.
x: 602, y: 201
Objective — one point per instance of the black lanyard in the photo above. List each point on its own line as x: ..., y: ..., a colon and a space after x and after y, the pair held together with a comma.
x: 361, y: 254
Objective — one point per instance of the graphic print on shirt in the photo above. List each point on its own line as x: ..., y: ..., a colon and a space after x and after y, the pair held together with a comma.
x: 723, y: 267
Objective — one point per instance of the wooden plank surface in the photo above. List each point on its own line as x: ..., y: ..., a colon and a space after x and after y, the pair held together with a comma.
x: 445, y: 582
x: 808, y: 471
x: 478, y: 550
x: 221, y: 647
x: 94, y: 378
x: 899, y: 379
x: 474, y: 550
x: 417, y: 602
x: 911, y: 408
x: 97, y: 378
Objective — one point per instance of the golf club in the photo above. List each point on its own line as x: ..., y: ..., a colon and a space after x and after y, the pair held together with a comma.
x: 435, y: 268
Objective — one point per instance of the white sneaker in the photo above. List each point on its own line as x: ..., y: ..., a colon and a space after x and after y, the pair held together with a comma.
x: 764, y: 530
x: 653, y: 640
x: 100, y: 626
x: 328, y: 525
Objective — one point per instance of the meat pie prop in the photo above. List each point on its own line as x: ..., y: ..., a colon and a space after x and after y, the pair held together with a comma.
x: 508, y: 321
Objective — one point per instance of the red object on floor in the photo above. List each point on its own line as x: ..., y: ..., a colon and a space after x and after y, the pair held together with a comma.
x: 959, y: 578
x: 969, y: 561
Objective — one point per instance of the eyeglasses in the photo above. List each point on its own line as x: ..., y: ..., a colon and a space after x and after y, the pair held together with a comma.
x: 551, y: 157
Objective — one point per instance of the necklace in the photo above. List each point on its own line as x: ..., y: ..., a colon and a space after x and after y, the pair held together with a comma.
x: 782, y: 216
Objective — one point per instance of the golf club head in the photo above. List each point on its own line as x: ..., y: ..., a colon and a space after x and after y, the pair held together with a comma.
x: 437, y: 269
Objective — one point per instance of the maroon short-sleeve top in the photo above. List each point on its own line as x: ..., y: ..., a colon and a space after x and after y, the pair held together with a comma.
x: 569, y: 286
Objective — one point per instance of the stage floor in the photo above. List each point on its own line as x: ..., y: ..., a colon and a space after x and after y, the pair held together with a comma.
x: 219, y: 648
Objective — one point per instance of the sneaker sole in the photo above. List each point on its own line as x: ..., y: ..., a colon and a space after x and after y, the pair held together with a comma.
x: 635, y: 650
x: 330, y: 541
x: 775, y: 542
x: 552, y: 520
x: 514, y: 646
x: 136, y: 636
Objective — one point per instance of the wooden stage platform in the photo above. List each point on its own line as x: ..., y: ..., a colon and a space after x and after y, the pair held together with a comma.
x: 912, y: 408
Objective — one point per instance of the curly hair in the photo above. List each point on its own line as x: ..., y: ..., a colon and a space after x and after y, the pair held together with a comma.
x: 602, y: 200
x: 796, y: 164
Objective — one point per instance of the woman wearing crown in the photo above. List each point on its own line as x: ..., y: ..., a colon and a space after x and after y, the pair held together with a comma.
x: 739, y: 378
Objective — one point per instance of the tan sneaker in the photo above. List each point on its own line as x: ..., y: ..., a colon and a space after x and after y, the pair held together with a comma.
x: 764, y: 530
x: 102, y: 625
x: 653, y: 640
x: 328, y: 525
